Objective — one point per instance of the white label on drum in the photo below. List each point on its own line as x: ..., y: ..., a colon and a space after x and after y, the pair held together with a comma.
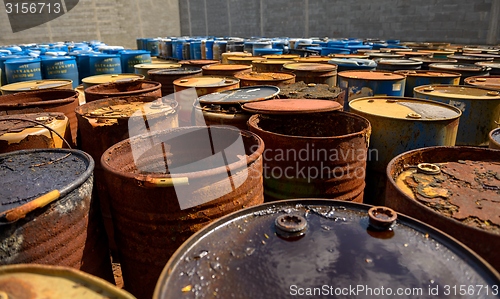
x: 396, y: 87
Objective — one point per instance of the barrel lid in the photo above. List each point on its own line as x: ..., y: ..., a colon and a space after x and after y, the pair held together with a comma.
x: 198, y: 62
x: 125, y: 107
x: 492, y: 56
x: 264, y: 76
x: 245, y: 58
x: 54, y: 282
x: 235, y: 54
x: 358, y: 56
x: 300, y: 245
x: 491, y: 82
x: 128, y: 51
x: 22, y: 60
x: 149, y: 66
x: 313, y: 59
x: 291, y: 106
x: 385, y: 55
x: 183, y: 70
x: 310, y: 67
x: 103, y: 55
x: 107, y: 78
x: 15, y: 123
x: 370, y: 75
x: 51, y: 169
x: 434, y: 60
x: 227, y: 67
x: 57, y: 58
x: 490, y: 64
x: 241, y: 95
x: 437, y: 52
x: 281, y: 56
x: 35, y: 85
x: 405, y: 108
x: 425, y: 73
x: 399, y: 62
x: 206, y: 81
x: 413, y: 53
x: 470, y: 58
x: 458, y: 92
x: 273, y: 61
x: 458, y: 67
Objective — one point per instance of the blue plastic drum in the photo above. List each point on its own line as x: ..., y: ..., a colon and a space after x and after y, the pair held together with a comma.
x: 61, y: 67
x: 22, y: 69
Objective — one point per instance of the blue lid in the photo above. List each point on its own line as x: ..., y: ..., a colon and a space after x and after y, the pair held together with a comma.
x: 22, y: 60
x: 102, y: 55
x: 136, y: 52
x: 57, y: 58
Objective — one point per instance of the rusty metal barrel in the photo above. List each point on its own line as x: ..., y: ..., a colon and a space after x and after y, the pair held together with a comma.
x: 243, y: 59
x: 54, y: 282
x: 322, y: 247
x: 47, y: 215
x: 469, y: 59
x: 398, y: 64
x: 269, y: 65
x: 493, y: 65
x: 454, y: 189
x: 144, y: 68
x: 312, y: 150
x: 167, y: 76
x: 494, y: 139
x: 416, y: 78
x: 105, y: 122
x: 224, y: 108
x: 319, y: 73
x: 228, y: 70
x: 64, y: 101
x: 33, y: 130
x: 276, y: 79
x: 198, y: 63
x: 480, y: 109
x: 226, y: 55
x: 123, y: 89
x: 36, y: 85
x: 185, y: 178
x: 488, y: 82
x: 399, y: 125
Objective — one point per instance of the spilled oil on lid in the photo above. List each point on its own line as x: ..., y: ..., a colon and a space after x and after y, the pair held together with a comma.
x: 206, y: 81
x: 241, y: 95
x: 370, y: 75
x: 36, y: 85
x: 405, y: 108
x: 291, y: 106
x: 282, y: 248
x: 458, y: 92
x: 490, y: 82
x: 310, y: 67
x: 53, y: 282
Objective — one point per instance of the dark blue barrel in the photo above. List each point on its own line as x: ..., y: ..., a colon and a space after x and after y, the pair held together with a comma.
x: 2, y: 66
x: 61, y: 67
x: 209, y: 44
x: 83, y: 64
x: 129, y: 58
x: 337, y: 44
x: 153, y: 46
x: 177, y: 48
x: 219, y: 48
x: 22, y: 69
x: 105, y: 64
x: 141, y: 43
x: 195, y: 48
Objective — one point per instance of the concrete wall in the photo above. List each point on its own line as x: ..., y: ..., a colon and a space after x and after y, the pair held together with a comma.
x: 115, y: 22
x: 457, y: 21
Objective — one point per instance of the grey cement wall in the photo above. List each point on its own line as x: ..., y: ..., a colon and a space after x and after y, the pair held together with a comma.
x: 456, y: 21
x: 115, y: 22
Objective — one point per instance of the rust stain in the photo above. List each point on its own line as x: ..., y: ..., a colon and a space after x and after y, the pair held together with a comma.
x: 127, y: 88
x: 15, y: 288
